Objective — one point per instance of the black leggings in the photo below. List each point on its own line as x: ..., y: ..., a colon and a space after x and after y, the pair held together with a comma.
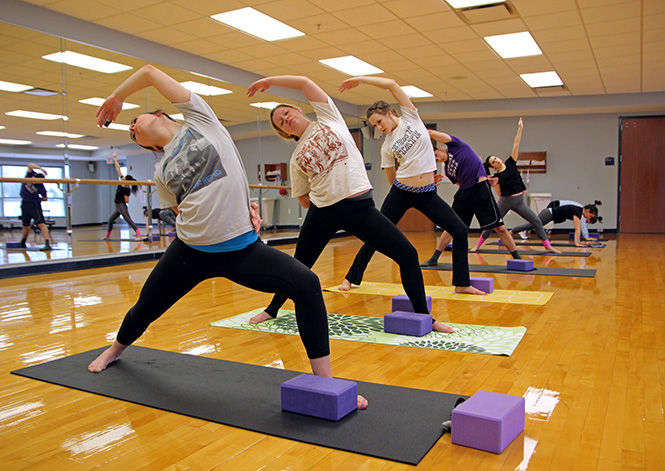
x: 363, y: 220
x: 431, y: 205
x: 257, y: 266
x: 121, y: 209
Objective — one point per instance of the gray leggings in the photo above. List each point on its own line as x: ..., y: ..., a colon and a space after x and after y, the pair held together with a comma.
x: 517, y: 204
x: 544, y: 217
x: 121, y: 209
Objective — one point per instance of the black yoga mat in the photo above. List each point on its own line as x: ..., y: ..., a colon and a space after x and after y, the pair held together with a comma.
x: 583, y: 272
x: 555, y: 244
x: 400, y: 424
x: 535, y: 252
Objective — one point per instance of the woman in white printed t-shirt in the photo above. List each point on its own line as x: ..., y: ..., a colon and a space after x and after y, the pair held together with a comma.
x: 408, y: 143
x: 201, y: 176
x: 328, y: 176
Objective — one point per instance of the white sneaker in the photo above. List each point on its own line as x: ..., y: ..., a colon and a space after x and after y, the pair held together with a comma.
x: 523, y: 235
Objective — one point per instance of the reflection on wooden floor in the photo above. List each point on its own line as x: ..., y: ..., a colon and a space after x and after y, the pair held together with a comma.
x: 88, y: 242
x: 591, y: 367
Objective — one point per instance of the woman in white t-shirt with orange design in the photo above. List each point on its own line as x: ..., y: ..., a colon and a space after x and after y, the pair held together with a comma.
x: 328, y: 176
x: 408, y: 143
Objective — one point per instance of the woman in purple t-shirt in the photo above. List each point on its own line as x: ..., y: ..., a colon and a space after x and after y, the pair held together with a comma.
x: 474, y: 197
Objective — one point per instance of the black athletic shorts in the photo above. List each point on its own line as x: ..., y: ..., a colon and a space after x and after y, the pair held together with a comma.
x: 478, y: 201
x: 31, y: 210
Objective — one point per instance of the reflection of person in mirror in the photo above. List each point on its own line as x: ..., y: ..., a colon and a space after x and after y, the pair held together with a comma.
x: 217, y: 225
x: 120, y: 200
x: 32, y: 195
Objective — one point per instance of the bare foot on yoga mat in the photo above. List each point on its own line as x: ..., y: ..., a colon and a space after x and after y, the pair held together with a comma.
x: 468, y: 290
x: 475, y: 249
x: 362, y: 402
x: 439, y: 327
x: 345, y: 286
x: 552, y: 249
x: 261, y: 317
x: 107, y: 357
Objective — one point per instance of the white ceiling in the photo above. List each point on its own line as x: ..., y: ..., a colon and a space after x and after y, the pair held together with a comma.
x: 601, y: 49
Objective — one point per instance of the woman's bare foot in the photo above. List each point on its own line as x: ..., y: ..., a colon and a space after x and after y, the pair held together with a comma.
x: 468, y: 290
x: 261, y: 317
x: 107, y: 357
x: 475, y: 249
x: 345, y: 286
x: 362, y: 402
x: 552, y: 250
x: 439, y: 327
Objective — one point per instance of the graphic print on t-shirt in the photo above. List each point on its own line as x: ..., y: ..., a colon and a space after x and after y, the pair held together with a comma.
x: 193, y: 165
x: 451, y: 166
x: 322, y: 151
x: 402, y: 145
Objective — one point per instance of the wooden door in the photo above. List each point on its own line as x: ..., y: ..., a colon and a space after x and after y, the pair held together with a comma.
x: 642, y: 175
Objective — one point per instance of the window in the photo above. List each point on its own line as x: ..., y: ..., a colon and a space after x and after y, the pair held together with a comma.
x: 11, y: 199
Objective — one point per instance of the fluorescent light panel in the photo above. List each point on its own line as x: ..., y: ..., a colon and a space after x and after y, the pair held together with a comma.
x: 14, y: 142
x: 2, y: 127
x: 96, y: 101
x: 86, y: 62
x: 268, y: 105
x: 251, y: 21
x: 177, y: 117
x: 203, y: 89
x: 471, y: 3
x: 514, y: 45
x: 351, y: 65
x: 542, y: 79
x: 77, y: 146
x: 14, y: 87
x: 35, y: 115
x: 415, y: 92
x: 60, y: 134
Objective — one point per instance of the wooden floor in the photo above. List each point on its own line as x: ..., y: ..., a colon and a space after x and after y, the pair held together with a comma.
x: 591, y: 367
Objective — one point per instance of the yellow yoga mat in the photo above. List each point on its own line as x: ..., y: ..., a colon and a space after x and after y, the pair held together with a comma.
x: 536, y: 298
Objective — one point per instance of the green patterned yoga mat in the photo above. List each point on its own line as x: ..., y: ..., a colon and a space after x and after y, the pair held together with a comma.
x: 486, y: 339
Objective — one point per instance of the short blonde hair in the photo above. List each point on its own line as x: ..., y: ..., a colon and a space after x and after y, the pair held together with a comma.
x: 279, y: 132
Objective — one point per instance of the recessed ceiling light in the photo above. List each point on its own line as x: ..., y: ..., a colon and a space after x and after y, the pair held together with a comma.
x: 472, y: 3
x: 35, y: 115
x: 96, y: 101
x: 60, y: 134
x: 178, y: 116
x: 14, y: 142
x: 86, y: 62
x: 257, y: 24
x: 77, y: 146
x: 117, y: 126
x: 542, y: 79
x: 203, y: 89
x: 514, y: 45
x: 415, y: 92
x: 2, y: 127
x: 268, y: 105
x: 14, y: 87
x: 208, y: 77
x: 351, y: 65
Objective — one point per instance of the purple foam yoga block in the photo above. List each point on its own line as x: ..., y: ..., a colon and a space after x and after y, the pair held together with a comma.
x: 407, y: 323
x: 521, y: 265
x: 488, y: 421
x: 327, y: 398
x: 483, y: 284
x: 13, y: 245
x: 155, y: 237
x: 401, y: 303
x: 592, y: 235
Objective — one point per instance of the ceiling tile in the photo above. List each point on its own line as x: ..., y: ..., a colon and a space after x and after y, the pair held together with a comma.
x: 365, y: 15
